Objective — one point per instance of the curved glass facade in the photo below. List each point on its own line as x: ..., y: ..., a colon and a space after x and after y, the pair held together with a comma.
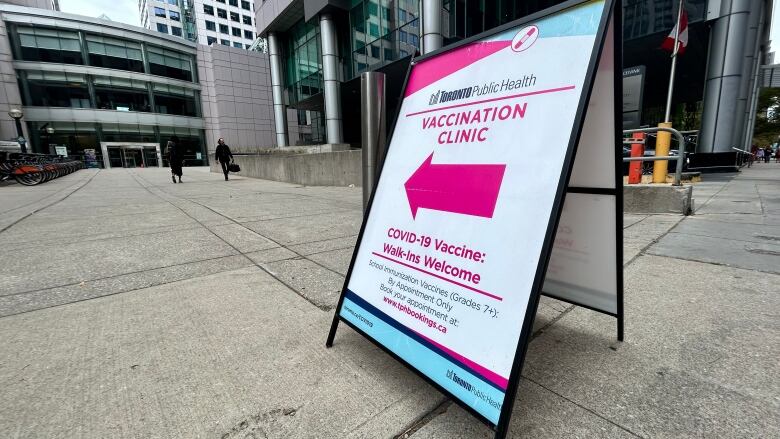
x: 85, y: 90
x: 35, y: 43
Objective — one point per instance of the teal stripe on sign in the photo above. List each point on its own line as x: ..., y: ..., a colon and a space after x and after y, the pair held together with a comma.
x: 428, y: 362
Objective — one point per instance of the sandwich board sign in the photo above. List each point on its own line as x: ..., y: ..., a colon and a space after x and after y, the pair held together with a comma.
x: 480, y: 188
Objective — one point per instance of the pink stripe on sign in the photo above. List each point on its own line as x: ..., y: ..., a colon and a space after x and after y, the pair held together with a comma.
x: 485, y: 372
x: 429, y: 71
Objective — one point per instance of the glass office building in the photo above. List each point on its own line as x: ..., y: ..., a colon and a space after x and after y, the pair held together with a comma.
x: 382, y: 35
x: 89, y: 85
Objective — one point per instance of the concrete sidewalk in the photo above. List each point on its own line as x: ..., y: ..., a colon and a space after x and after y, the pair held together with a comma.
x: 133, y: 307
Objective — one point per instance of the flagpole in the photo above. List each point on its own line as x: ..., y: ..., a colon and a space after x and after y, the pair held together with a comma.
x: 674, y: 64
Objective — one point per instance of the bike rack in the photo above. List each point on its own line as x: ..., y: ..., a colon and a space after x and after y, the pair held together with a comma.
x: 680, y: 156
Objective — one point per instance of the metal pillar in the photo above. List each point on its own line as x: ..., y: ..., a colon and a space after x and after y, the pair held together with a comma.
x: 280, y: 112
x: 330, y: 79
x: 104, y: 152
x: 752, y: 102
x: 432, y: 38
x: 750, y: 52
x: 372, y: 129
x: 724, y: 74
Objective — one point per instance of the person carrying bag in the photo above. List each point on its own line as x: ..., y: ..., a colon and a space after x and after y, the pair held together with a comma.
x: 224, y: 157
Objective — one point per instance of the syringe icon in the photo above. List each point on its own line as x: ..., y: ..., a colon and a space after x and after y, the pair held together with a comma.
x: 525, y: 38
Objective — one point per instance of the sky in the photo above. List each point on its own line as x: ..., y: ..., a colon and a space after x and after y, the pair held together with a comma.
x: 126, y: 11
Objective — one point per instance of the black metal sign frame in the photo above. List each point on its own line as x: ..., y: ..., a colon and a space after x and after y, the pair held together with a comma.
x: 502, y: 427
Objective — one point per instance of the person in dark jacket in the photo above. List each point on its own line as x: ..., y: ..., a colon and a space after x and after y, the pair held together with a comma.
x: 175, y: 158
x: 223, y: 156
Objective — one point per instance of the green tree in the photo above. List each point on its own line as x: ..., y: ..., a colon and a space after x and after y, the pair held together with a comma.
x: 767, y: 128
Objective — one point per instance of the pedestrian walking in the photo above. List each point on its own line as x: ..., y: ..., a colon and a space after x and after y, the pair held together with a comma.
x: 760, y: 155
x: 223, y: 156
x: 768, y: 154
x: 777, y: 155
x: 175, y: 158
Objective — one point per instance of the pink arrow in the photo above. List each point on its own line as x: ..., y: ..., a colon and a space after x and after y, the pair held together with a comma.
x: 465, y: 189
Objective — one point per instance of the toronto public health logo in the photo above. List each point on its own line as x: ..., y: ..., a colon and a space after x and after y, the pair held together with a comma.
x: 434, y: 98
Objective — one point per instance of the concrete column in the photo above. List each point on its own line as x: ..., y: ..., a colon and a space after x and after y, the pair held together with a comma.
x: 330, y: 79
x: 752, y: 46
x: 724, y: 77
x: 432, y: 38
x: 280, y: 112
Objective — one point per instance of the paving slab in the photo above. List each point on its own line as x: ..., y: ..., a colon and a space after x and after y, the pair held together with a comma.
x: 298, y: 230
x: 698, y: 361
x: 336, y: 260
x: 275, y: 254
x: 319, y: 285
x: 34, y: 268
x: 731, y: 252
x: 325, y: 245
x: 221, y: 356
x: 61, y: 295
x: 538, y: 412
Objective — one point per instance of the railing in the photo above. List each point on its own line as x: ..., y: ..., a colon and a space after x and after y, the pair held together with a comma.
x: 679, y: 157
x: 744, y: 157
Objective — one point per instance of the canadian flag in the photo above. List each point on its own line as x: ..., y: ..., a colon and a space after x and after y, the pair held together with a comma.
x: 682, y: 39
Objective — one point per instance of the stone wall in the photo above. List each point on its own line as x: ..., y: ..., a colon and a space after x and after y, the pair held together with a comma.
x: 341, y: 168
x: 236, y: 100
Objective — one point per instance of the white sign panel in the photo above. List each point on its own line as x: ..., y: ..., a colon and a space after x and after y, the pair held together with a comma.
x: 450, y: 261
x: 583, y: 267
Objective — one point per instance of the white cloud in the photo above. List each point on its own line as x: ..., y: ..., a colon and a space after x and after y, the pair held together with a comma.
x: 125, y: 11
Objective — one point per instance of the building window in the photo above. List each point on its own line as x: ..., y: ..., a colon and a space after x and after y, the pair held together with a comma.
x: 121, y: 94
x: 224, y: 42
x: 173, y: 2
x: 174, y: 15
x: 210, y: 25
x: 233, y: 2
x: 169, y: 99
x: 249, y: 35
x: 114, y: 53
x: 221, y: 13
x: 237, y: 45
x: 162, y: 28
x: 220, y: 1
x: 209, y: 10
x: 175, y: 31
x: 56, y: 89
x: 159, y: 12
x: 245, y: 5
x: 234, y: 17
x: 169, y: 63
x: 210, y: 41
x: 247, y: 19
x: 236, y: 32
x: 49, y: 45
x: 223, y: 28
x: 303, y: 61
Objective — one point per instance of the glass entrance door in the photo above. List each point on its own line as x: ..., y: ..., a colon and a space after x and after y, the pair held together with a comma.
x: 150, y: 157
x: 132, y: 157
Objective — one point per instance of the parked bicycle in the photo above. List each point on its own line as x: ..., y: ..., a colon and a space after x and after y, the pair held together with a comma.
x: 32, y: 169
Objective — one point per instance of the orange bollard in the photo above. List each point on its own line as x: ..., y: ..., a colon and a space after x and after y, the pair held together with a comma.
x: 635, y: 168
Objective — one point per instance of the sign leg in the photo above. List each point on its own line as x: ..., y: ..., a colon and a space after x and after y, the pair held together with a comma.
x: 332, y: 333
x: 620, y: 328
